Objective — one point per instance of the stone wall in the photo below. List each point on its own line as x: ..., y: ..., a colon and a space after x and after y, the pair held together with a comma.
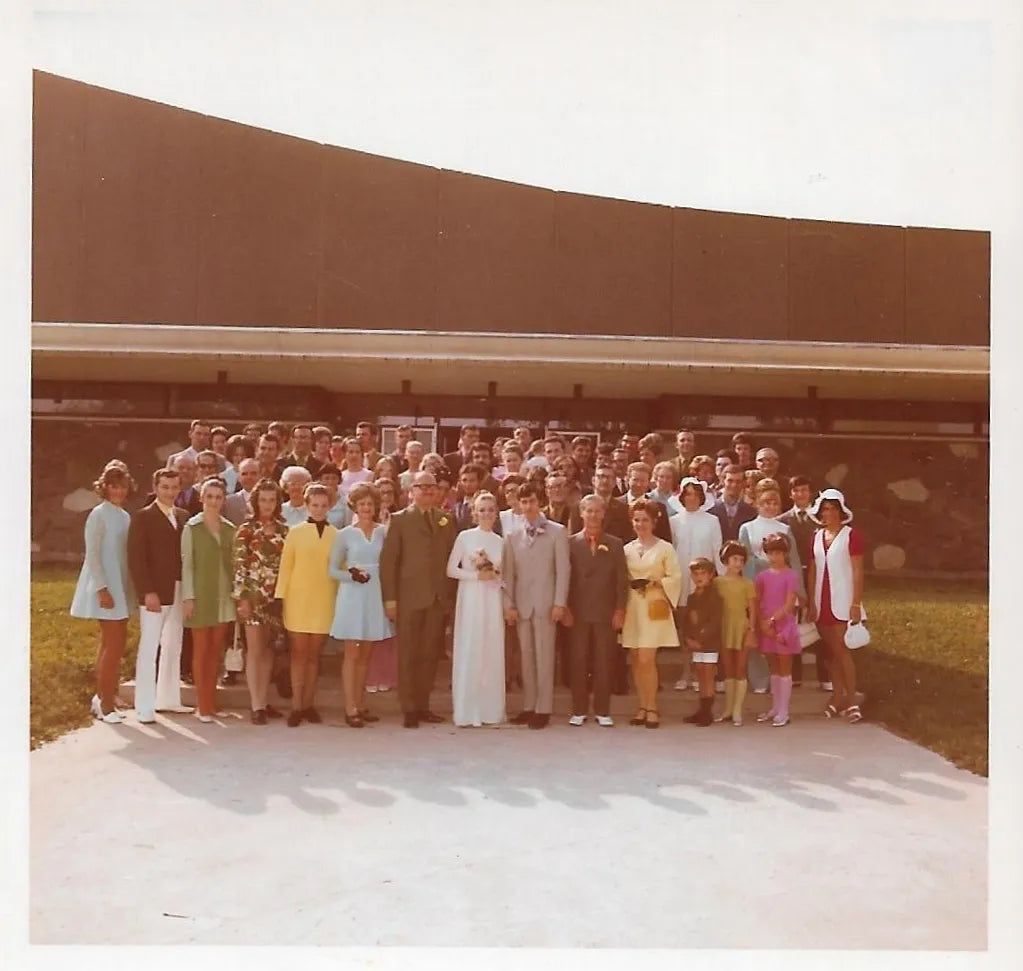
x: 923, y: 506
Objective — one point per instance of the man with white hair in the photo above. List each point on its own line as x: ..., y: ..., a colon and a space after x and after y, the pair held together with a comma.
x: 767, y: 463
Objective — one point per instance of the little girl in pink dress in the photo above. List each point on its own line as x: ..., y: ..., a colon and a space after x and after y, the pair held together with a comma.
x: 777, y: 595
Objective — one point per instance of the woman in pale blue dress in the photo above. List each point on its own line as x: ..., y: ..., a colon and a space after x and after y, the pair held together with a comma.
x: 104, y: 589
x: 359, y: 618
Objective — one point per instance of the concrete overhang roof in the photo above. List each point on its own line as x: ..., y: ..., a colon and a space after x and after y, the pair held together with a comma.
x: 541, y: 365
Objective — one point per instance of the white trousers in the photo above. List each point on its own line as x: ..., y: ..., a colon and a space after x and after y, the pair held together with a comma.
x: 161, y: 630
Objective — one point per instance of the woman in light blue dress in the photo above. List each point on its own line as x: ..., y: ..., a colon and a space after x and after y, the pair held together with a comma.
x: 104, y: 589
x: 359, y: 618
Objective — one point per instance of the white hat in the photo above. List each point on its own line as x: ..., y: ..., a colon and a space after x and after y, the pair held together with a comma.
x: 708, y: 498
x: 856, y: 636
x: 835, y: 496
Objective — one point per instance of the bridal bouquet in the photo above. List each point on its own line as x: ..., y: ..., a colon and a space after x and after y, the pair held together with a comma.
x: 483, y: 564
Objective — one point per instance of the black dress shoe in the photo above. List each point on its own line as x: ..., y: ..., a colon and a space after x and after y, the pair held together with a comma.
x: 272, y: 712
x: 522, y: 718
x: 230, y: 678
x: 539, y: 721
x: 354, y: 721
x: 430, y: 718
x: 411, y: 720
x: 367, y: 716
x: 294, y: 719
x: 312, y: 716
x: 259, y: 717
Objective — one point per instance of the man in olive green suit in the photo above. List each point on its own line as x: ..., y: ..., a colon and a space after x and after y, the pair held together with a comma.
x: 417, y: 594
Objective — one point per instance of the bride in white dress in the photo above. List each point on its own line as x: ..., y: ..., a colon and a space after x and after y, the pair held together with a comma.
x: 477, y: 674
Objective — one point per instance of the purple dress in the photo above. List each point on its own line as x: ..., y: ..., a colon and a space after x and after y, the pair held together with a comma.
x: 773, y: 588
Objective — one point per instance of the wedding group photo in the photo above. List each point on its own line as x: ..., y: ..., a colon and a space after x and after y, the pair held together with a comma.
x: 474, y: 505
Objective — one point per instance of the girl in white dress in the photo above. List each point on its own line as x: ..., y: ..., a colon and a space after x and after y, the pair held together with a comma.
x: 477, y: 674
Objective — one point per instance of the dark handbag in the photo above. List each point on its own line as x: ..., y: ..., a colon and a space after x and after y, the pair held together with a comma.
x: 658, y: 609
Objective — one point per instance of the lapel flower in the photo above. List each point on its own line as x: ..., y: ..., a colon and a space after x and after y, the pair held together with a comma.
x: 602, y: 548
x: 443, y: 521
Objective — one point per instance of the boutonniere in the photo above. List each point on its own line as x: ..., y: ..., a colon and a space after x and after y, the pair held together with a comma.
x: 443, y: 521
x: 602, y: 548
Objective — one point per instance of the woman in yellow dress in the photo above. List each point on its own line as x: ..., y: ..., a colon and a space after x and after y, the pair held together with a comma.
x: 655, y: 586
x: 308, y: 591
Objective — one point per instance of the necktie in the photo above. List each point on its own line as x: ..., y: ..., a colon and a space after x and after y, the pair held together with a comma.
x: 593, y: 544
x: 429, y: 520
x: 172, y: 519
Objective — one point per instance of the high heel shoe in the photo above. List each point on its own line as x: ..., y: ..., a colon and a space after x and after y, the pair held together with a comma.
x: 354, y: 721
x: 652, y: 724
x: 639, y: 718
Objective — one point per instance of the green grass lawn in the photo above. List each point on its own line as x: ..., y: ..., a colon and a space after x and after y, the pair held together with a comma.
x: 924, y: 675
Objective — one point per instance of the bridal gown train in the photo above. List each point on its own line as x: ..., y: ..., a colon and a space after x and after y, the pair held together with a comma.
x: 477, y: 671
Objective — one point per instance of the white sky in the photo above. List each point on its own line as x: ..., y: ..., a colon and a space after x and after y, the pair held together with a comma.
x: 881, y: 113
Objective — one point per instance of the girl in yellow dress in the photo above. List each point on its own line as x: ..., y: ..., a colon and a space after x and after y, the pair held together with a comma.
x: 655, y: 586
x: 738, y: 627
x: 308, y: 591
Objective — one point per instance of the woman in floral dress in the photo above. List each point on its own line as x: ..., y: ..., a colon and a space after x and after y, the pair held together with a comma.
x: 257, y: 560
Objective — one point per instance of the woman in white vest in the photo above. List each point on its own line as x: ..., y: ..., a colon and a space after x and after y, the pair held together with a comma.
x: 695, y: 533
x: 835, y: 578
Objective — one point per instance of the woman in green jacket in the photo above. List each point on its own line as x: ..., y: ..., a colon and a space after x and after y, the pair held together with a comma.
x: 207, y: 549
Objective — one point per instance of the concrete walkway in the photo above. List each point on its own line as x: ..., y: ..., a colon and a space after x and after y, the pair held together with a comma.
x: 723, y: 837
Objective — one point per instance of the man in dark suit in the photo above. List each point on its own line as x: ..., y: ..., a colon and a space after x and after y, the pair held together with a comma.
x: 598, y: 589
x: 302, y: 450
x: 154, y: 561
x: 469, y: 436
x: 730, y: 510
x: 620, y: 464
x: 803, y: 529
x: 417, y: 594
x: 468, y: 485
x: 483, y: 456
x: 616, y: 512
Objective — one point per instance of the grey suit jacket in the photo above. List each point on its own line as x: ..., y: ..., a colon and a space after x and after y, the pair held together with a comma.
x: 236, y: 508
x: 536, y: 576
x: 599, y: 583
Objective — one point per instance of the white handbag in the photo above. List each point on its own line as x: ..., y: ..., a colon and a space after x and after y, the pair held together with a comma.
x: 808, y: 634
x: 856, y: 636
x: 234, y: 659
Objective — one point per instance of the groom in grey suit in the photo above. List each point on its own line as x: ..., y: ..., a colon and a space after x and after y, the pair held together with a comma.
x: 536, y: 568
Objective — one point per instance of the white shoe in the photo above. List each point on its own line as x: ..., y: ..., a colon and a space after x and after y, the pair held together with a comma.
x: 383, y: 687
x: 206, y: 719
x: 147, y: 718
x: 695, y: 685
x: 737, y: 721
x: 681, y: 684
x: 719, y: 687
x: 605, y: 721
x: 760, y: 691
x: 577, y: 720
x: 177, y: 710
x: 779, y: 722
x: 719, y: 718
x: 371, y: 689
x: 112, y: 718
x: 827, y: 686
x: 765, y: 716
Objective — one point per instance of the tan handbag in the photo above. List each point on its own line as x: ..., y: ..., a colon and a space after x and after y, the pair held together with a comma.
x: 658, y: 609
